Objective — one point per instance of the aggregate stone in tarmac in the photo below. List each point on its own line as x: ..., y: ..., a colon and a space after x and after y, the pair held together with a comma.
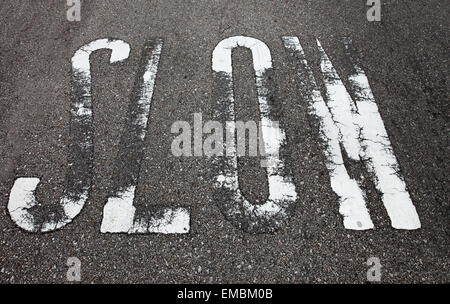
x: 405, y: 57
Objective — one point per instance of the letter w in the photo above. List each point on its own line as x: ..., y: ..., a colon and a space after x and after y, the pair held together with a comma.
x: 354, y: 125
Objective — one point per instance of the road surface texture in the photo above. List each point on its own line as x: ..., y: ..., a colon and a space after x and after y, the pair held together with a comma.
x: 405, y: 57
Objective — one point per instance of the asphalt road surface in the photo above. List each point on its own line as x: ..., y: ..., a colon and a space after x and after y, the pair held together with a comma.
x: 405, y: 57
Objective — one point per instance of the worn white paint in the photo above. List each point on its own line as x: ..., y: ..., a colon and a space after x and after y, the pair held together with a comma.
x: 22, y: 196
x: 20, y: 200
x: 281, y: 189
x: 145, y: 101
x: 351, y: 198
x: 341, y: 106
x: 119, y: 217
x: 358, y: 126
x: 172, y: 221
x: 119, y: 214
x: 120, y: 51
x: 221, y: 61
x: 379, y: 156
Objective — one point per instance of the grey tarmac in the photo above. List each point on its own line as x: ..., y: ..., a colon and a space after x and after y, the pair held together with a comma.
x: 405, y: 57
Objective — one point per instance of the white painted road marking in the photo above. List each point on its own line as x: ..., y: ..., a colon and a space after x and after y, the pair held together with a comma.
x: 358, y: 126
x: 79, y: 173
x: 119, y: 214
x: 376, y: 151
x: 282, y: 195
x: 351, y: 200
x: 355, y: 124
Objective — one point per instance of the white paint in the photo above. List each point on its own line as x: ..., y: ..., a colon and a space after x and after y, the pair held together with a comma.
x: 351, y: 198
x: 379, y: 156
x: 281, y: 189
x: 359, y: 127
x: 119, y: 217
x: 173, y: 221
x: 22, y: 196
x: 81, y: 66
x: 341, y: 106
x: 119, y: 214
x: 221, y: 61
x: 21, y: 199
x: 149, y: 83
x: 120, y: 51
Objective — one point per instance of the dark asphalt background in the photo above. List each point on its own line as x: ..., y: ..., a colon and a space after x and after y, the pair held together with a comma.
x: 405, y: 57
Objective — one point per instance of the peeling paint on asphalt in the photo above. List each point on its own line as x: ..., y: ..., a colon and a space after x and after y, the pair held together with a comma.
x: 119, y: 214
x: 23, y: 203
x: 249, y: 217
x: 359, y: 127
x: 377, y: 153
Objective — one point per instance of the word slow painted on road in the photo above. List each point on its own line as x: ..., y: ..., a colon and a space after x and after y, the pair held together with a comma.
x: 348, y: 123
